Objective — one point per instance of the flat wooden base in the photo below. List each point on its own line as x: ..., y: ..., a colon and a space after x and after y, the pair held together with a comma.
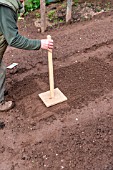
x: 58, y: 97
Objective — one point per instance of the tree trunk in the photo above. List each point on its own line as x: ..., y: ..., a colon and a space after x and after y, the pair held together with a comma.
x: 69, y: 10
x: 43, y: 15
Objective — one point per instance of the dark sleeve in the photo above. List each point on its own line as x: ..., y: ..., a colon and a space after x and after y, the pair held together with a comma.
x: 10, y: 31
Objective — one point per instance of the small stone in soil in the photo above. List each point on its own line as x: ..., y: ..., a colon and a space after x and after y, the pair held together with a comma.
x: 2, y: 125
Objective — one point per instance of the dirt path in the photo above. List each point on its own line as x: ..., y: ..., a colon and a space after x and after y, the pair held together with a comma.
x: 76, y: 134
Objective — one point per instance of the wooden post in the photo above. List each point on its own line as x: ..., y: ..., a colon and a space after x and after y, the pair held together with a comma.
x: 43, y: 15
x: 53, y: 96
x: 69, y: 10
x: 50, y: 65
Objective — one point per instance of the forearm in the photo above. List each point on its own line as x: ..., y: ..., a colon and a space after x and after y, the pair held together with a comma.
x: 22, y: 42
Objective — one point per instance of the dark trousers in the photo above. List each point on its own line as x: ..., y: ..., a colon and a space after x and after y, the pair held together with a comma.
x: 3, y: 46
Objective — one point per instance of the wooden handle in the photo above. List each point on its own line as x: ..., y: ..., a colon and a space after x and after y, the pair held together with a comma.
x: 50, y: 65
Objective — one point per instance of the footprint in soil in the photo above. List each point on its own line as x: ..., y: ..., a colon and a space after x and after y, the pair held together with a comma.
x: 2, y: 125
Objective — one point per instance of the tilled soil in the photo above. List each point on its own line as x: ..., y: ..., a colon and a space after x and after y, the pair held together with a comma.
x: 78, y: 133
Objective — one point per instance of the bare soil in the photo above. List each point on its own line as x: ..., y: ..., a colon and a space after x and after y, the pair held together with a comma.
x: 73, y: 135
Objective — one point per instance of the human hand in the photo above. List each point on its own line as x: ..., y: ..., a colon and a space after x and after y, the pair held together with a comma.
x: 46, y: 44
